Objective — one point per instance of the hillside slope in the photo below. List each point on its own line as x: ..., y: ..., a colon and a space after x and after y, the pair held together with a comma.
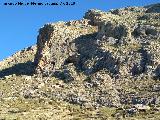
x: 105, y: 66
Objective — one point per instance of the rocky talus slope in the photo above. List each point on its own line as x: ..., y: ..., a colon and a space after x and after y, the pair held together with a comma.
x: 105, y: 66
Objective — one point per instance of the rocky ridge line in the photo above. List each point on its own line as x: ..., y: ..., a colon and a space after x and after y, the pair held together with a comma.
x: 106, y: 59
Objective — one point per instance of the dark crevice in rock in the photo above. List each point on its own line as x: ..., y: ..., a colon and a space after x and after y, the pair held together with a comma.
x: 144, y: 30
x: 142, y: 66
x: 157, y: 72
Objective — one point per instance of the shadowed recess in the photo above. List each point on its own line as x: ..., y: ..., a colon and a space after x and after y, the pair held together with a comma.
x: 19, y: 69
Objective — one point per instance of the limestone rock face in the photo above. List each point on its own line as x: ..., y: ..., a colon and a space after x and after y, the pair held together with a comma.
x: 153, y: 8
x: 21, y: 62
x: 56, y: 44
x: 101, y: 49
x: 106, y: 59
x: 115, y: 30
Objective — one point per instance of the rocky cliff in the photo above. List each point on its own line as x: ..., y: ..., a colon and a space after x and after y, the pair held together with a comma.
x: 107, y: 59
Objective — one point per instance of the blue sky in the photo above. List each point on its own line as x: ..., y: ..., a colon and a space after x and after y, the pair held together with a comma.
x: 19, y: 24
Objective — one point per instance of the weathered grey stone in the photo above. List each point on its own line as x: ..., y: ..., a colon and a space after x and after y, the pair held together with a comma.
x: 112, y: 29
x: 107, y: 59
x: 130, y: 112
x: 55, y: 44
x: 155, y: 8
x: 145, y: 30
x: 157, y: 71
x: 142, y: 107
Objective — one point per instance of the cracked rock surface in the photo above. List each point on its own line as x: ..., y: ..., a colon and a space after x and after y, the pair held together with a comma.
x: 107, y: 61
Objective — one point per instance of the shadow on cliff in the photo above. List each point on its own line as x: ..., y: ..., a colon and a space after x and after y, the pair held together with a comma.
x: 19, y: 69
x: 157, y: 73
x: 142, y: 67
x: 88, y: 51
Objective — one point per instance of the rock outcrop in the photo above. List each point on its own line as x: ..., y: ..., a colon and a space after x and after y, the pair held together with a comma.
x: 109, y: 40
x: 21, y: 62
x: 106, y: 59
x: 119, y: 44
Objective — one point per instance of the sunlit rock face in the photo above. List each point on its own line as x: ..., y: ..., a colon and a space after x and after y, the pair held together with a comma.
x: 57, y: 44
x: 102, y: 48
x: 105, y: 66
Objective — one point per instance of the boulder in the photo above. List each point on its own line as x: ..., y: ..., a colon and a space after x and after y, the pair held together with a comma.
x: 142, y: 107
